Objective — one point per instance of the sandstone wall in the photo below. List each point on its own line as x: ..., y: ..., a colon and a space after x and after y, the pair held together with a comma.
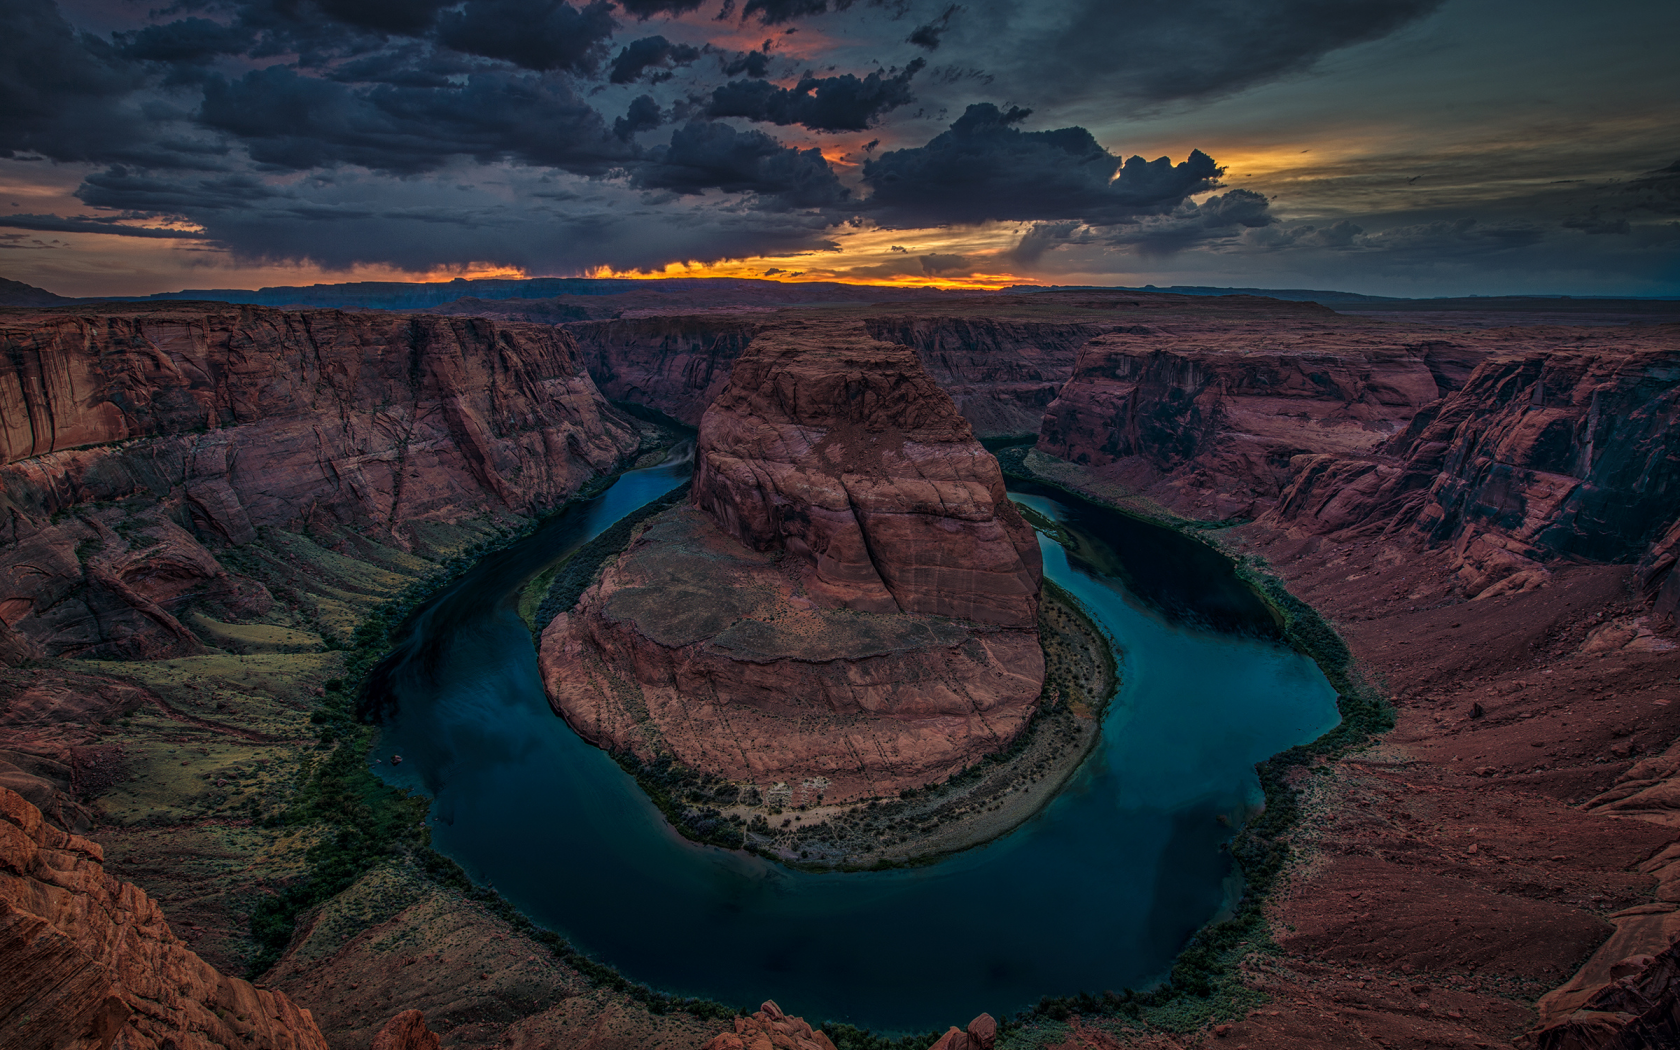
x: 843, y: 451
x: 1002, y: 373
x: 1207, y: 418
x: 134, y: 440
x: 87, y: 962
x: 1554, y: 453
x: 675, y: 365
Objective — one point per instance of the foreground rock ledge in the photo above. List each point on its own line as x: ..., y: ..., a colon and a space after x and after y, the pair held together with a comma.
x: 850, y: 609
x: 89, y: 962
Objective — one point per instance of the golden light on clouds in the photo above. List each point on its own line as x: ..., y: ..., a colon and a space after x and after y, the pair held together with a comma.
x: 967, y: 257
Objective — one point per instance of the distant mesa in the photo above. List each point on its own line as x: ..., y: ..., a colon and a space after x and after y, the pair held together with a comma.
x: 849, y: 606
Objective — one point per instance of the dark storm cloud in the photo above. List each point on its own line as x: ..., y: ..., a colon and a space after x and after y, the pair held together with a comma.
x: 984, y: 168
x: 652, y: 52
x: 556, y: 225
x: 296, y: 122
x: 643, y: 115
x: 776, y: 12
x: 1218, y: 217
x: 642, y: 10
x: 1042, y: 237
x: 752, y: 63
x: 927, y: 36
x: 1164, y: 50
x: 189, y: 40
x: 704, y: 155
x: 386, y: 16
x: 842, y: 103
x: 937, y: 263
x: 533, y: 34
x: 61, y: 91
x: 120, y: 188
x: 85, y: 224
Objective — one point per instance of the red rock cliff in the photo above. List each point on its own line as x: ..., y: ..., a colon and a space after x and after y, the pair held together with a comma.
x: 208, y: 422
x: 1206, y: 416
x: 88, y: 962
x: 675, y: 365
x: 1548, y: 452
x: 1001, y: 372
x: 842, y: 451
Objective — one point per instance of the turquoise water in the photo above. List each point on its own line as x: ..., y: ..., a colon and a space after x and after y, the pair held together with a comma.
x: 1098, y: 891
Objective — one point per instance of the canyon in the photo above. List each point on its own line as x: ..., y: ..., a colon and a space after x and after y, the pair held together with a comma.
x: 204, y: 502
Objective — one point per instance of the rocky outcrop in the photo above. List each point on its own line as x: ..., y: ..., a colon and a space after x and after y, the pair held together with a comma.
x: 674, y: 365
x: 1546, y: 453
x: 770, y: 1029
x: 841, y: 451
x: 1001, y: 372
x: 1207, y: 418
x: 88, y: 962
x: 406, y: 1031
x: 849, y: 609
x: 194, y: 427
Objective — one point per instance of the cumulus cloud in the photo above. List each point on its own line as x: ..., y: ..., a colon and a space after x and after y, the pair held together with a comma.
x: 652, y: 52
x: 842, y: 103
x: 643, y: 115
x: 706, y: 155
x: 752, y: 63
x: 985, y: 168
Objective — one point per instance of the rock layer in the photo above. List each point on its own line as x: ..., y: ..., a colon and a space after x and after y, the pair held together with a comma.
x: 1207, y: 417
x: 842, y: 451
x: 674, y: 365
x: 89, y: 962
x: 1001, y: 372
x: 1545, y: 454
x: 208, y: 423
x: 850, y: 609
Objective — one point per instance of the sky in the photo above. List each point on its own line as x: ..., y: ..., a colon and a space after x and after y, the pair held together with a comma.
x: 1392, y: 147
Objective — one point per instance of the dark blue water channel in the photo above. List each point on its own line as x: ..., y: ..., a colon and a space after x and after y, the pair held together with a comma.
x: 1100, y: 890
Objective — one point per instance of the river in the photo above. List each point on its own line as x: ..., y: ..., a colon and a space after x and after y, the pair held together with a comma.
x: 1098, y: 891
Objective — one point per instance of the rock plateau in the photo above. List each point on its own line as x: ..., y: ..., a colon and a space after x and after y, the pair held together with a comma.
x: 848, y: 609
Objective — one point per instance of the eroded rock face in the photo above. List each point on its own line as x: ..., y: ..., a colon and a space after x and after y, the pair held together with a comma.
x: 87, y: 962
x: 1551, y: 453
x: 674, y: 365
x: 1002, y: 373
x: 843, y: 452
x: 849, y: 609
x: 1206, y: 418
x: 200, y: 425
